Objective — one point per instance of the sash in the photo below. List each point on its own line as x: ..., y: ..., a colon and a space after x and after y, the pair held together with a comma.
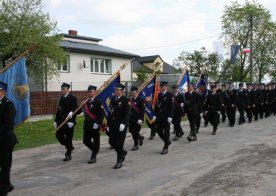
x: 134, y: 106
x: 89, y: 113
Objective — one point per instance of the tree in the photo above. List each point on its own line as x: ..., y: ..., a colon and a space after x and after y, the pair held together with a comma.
x: 198, y: 61
x: 236, y: 29
x: 23, y: 23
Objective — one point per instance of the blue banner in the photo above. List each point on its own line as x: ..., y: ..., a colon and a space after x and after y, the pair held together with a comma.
x: 234, y: 53
x: 105, y: 97
x: 183, y: 84
x: 149, y: 94
x: 18, y: 90
x: 202, y: 84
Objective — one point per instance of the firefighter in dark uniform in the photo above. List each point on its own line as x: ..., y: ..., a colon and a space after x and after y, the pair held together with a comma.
x: 212, y: 108
x: 202, y: 98
x: 273, y: 88
x: 178, y: 112
x: 251, y: 102
x: 67, y: 104
x: 242, y: 102
x: 231, y: 96
x: 164, y: 114
x: 223, y: 102
x: 137, y: 113
x: 7, y: 140
x: 261, y: 100
x: 192, y: 107
x: 267, y: 101
x: 257, y: 101
x: 94, y: 114
x: 117, y: 123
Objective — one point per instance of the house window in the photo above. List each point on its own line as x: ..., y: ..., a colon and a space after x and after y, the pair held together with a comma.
x: 102, y: 66
x: 65, y: 67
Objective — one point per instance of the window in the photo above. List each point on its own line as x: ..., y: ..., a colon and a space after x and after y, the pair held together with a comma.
x: 65, y: 67
x: 102, y: 66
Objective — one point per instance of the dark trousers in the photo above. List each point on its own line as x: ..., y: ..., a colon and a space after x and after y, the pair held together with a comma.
x: 267, y: 109
x: 117, y: 141
x: 261, y: 110
x: 213, y: 119
x: 88, y: 135
x: 256, y: 111
x: 163, y: 130
x: 198, y: 121
x: 192, y: 116
x: 231, y: 113
x: 65, y: 136
x: 223, y: 113
x: 176, y: 124
x: 134, y: 129
x: 152, y: 128
x: 249, y: 112
x: 241, y: 111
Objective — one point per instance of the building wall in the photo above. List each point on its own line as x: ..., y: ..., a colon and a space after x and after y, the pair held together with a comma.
x: 80, y: 77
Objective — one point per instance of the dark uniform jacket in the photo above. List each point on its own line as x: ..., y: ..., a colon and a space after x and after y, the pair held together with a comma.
x: 213, y: 103
x: 137, y: 110
x: 177, y: 100
x: 192, y: 103
x: 251, y: 98
x: 231, y: 96
x: 7, y: 117
x: 242, y: 100
x: 96, y: 109
x: 164, y: 107
x: 119, y: 112
x: 267, y: 96
x: 65, y: 106
x: 256, y: 95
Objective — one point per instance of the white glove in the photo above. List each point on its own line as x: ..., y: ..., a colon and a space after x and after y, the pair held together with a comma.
x: 70, y: 125
x: 218, y: 112
x: 140, y: 122
x: 107, y: 129
x: 169, y: 119
x: 95, y: 126
x: 70, y: 115
x: 55, y: 125
x: 122, y: 127
x: 201, y: 114
x: 182, y: 104
x: 154, y: 118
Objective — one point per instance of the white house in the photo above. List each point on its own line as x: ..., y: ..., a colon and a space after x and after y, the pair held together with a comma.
x: 88, y: 62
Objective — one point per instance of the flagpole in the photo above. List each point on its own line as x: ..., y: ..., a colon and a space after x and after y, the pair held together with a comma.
x: 101, y: 88
x: 182, y: 74
x: 15, y: 60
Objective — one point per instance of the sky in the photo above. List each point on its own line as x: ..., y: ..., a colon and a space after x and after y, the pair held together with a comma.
x: 146, y: 27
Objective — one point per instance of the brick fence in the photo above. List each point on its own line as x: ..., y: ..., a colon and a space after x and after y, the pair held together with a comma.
x: 45, y: 103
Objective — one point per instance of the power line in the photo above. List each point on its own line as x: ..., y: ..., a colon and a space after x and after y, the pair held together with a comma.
x: 174, y: 44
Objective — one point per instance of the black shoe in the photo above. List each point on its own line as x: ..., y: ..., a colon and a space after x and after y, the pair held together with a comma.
x: 181, y: 134
x: 118, y: 165
x: 151, y: 137
x: 189, y: 139
x: 67, y: 158
x: 240, y: 123
x: 232, y: 125
x: 134, y: 148
x: 141, y: 140
x: 175, y: 138
x: 164, y: 151
x: 222, y: 121
x: 214, y: 131
x: 92, y: 160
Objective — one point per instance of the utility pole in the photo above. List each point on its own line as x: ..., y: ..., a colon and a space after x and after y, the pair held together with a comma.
x: 251, y: 48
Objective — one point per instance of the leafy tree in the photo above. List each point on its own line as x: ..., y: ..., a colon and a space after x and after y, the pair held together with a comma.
x: 23, y: 23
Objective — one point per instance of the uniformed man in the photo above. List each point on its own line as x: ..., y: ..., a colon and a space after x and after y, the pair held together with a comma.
x: 117, y: 123
x: 7, y: 140
x: 257, y: 101
x: 273, y: 88
x: 137, y: 113
x: 231, y: 96
x: 242, y: 102
x: 192, y: 106
x: 251, y: 102
x: 202, y: 98
x: 261, y: 100
x: 164, y: 114
x: 94, y: 114
x: 223, y: 102
x: 267, y: 100
x: 178, y: 112
x: 67, y: 104
x: 212, y: 108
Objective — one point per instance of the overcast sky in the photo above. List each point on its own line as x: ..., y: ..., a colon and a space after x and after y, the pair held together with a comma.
x: 145, y: 27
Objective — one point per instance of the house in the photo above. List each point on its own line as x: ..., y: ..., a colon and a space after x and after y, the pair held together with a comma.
x: 89, y: 63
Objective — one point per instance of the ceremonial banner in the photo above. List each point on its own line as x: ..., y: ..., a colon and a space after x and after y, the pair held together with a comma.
x: 183, y: 81
x: 234, y: 53
x: 202, y: 84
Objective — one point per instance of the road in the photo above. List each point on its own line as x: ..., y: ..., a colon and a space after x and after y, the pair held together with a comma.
x: 237, y: 161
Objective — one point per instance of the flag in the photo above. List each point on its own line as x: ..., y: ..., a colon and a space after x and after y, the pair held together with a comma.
x: 184, y: 81
x: 105, y: 97
x: 234, y: 52
x: 149, y: 93
x: 18, y: 90
x: 202, y: 84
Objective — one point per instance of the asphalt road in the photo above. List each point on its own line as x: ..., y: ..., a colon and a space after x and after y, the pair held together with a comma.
x: 237, y: 161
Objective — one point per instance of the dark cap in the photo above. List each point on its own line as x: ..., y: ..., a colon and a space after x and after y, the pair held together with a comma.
x: 163, y: 83
x: 175, y: 86
x: 248, y: 84
x: 213, y: 86
x: 120, y: 86
x: 240, y: 84
x: 65, y: 85
x: 223, y: 85
x: 133, y: 89
x: 3, y: 86
x: 91, y: 88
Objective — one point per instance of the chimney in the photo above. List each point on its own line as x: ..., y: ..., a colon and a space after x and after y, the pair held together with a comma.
x: 73, y: 32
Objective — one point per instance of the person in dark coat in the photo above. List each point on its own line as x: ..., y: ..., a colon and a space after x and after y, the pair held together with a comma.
x: 261, y: 100
x: 267, y: 100
x: 223, y: 102
x: 251, y: 102
x: 67, y: 104
x: 242, y: 102
x: 164, y: 114
x: 273, y: 89
x: 192, y: 106
x: 7, y: 140
x: 257, y: 102
x: 212, y: 108
x: 118, y: 122
x: 178, y: 112
x: 231, y: 96
x: 93, y: 114
x: 137, y: 113
x: 202, y: 99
